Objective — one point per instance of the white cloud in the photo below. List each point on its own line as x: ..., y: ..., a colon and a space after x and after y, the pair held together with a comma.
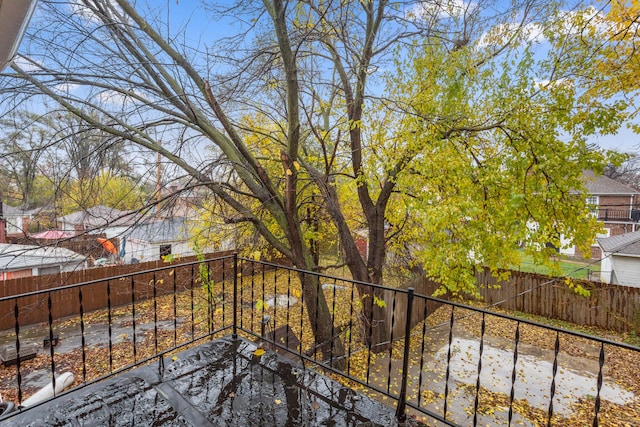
x: 115, y: 98
x: 66, y: 87
x: 559, y: 83
x: 570, y: 23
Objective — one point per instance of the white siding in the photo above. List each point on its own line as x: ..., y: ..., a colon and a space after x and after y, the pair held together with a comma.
x: 627, y: 270
x: 605, y: 267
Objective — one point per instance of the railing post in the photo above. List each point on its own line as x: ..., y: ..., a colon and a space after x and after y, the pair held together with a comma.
x: 402, y: 398
x: 235, y: 296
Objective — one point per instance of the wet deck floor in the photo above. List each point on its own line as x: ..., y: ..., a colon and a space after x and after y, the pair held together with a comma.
x: 218, y: 383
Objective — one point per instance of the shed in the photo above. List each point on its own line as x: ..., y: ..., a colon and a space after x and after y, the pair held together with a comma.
x: 31, y: 260
x: 620, y: 262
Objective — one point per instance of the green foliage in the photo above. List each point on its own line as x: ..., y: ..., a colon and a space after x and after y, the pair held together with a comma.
x: 497, y: 147
x: 114, y: 191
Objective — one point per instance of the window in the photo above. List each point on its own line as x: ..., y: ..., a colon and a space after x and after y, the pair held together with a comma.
x: 593, y: 202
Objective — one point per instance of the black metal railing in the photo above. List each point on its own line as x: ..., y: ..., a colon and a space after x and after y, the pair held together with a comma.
x: 609, y: 214
x: 434, y: 359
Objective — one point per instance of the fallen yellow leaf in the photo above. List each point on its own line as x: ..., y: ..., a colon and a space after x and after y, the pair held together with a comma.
x: 259, y: 352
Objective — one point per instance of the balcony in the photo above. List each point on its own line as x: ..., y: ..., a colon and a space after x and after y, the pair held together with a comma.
x: 231, y: 341
x: 620, y: 215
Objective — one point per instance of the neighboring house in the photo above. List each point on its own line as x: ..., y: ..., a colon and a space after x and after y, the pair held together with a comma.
x: 18, y: 219
x: 98, y: 220
x: 616, y: 206
x: 157, y: 238
x: 620, y: 263
x: 29, y: 260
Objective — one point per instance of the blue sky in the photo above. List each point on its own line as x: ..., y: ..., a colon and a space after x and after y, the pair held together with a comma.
x: 199, y: 23
x: 201, y: 29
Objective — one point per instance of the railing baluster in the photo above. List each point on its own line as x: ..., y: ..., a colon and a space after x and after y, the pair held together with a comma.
x: 175, y: 307
x: 155, y: 313
x: 235, y: 296
x: 556, y: 350
x: 275, y: 304
x: 368, y: 337
x: 134, y: 336
x: 477, y: 399
x: 288, y: 306
x: 238, y: 272
x: 82, y: 337
x: 192, y: 303
x: 514, y: 373
x: 448, y: 371
x: 353, y: 288
x: 402, y: 397
x: 210, y: 309
x: 223, y: 300
x: 315, y: 329
x: 264, y: 302
x: 110, y: 331
x: 333, y: 320
x: 51, y: 352
x: 16, y: 314
x: 253, y: 297
x: 424, y: 333
x: 600, y: 381
x: 302, y: 282
x: 393, y: 320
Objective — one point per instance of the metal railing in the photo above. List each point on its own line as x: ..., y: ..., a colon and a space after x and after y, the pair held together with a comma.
x: 435, y: 360
x: 608, y: 214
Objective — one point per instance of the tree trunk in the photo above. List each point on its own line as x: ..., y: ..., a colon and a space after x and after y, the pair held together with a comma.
x: 326, y: 336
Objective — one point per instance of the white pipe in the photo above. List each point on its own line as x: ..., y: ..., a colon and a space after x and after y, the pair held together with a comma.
x: 62, y: 382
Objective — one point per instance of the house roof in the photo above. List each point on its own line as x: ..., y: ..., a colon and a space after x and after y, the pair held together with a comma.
x: 52, y: 235
x: 166, y: 230
x: 625, y: 244
x: 100, y: 216
x: 20, y: 257
x: 9, y: 211
x: 602, y: 185
x: 14, y: 17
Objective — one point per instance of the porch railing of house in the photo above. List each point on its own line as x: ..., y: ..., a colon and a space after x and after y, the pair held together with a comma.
x: 461, y: 359
x: 608, y: 214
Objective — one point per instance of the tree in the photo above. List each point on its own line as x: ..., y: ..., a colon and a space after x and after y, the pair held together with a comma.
x: 416, y: 168
x: 106, y: 189
x: 23, y: 145
x: 627, y: 173
x: 86, y: 152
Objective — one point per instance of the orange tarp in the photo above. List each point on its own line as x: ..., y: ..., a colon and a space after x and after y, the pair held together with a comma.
x: 107, y: 245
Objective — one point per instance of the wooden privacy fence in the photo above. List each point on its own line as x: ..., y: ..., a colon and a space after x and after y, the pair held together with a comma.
x: 114, y: 292
x: 611, y: 307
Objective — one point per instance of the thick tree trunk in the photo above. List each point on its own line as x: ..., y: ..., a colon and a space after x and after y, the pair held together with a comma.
x: 327, y: 338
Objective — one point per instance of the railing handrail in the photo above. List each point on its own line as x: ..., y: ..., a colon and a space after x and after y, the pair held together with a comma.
x: 450, y: 302
x: 216, y: 300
